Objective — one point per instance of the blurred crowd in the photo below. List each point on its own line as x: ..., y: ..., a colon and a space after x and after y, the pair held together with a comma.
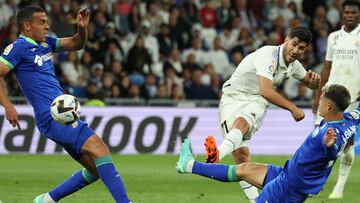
x: 172, y: 49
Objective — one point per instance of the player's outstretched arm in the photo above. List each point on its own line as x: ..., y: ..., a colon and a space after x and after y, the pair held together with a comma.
x: 10, y: 111
x: 77, y: 41
x: 324, y: 76
x: 330, y: 137
x: 267, y: 91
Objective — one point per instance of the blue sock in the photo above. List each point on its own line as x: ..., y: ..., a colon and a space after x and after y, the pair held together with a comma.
x: 220, y: 172
x: 111, y: 178
x: 77, y: 181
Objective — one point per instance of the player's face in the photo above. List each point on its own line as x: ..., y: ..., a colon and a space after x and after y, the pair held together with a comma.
x: 39, y: 26
x: 294, y: 49
x: 324, y: 105
x: 351, y: 16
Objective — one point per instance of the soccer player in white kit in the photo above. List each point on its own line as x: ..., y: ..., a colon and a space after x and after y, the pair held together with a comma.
x: 246, y: 96
x: 342, y: 66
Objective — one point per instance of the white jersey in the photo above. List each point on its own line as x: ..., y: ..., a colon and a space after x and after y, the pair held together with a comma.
x: 268, y: 61
x: 343, y: 50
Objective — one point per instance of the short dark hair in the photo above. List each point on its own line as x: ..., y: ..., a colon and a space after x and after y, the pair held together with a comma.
x: 26, y: 13
x: 339, y: 95
x: 302, y: 33
x: 350, y: 3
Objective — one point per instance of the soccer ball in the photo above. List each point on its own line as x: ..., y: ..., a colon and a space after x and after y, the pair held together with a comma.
x: 65, y: 109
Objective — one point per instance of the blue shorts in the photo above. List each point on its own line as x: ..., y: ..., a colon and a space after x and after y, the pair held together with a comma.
x: 276, y: 188
x: 71, y: 139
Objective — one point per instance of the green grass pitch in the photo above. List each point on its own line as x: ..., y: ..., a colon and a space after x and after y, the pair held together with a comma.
x: 148, y: 178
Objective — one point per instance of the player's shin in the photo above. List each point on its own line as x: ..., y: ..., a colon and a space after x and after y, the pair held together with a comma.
x: 220, y: 172
x: 111, y: 178
x: 74, y: 183
x: 250, y: 191
x: 230, y: 143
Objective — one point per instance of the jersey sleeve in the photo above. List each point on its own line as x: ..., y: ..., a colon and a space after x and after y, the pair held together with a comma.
x: 329, y: 49
x: 298, y: 71
x: 54, y: 43
x: 265, y: 64
x: 355, y: 115
x: 11, y: 56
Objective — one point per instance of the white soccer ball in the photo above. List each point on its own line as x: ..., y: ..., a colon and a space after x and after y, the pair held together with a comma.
x: 65, y: 109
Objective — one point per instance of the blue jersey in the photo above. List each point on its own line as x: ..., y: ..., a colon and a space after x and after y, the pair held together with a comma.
x: 33, y: 65
x: 312, y: 163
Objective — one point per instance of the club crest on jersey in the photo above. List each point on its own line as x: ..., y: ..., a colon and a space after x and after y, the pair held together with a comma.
x: 44, y: 44
x: 357, y: 43
x: 272, y: 69
x: 8, y: 49
x: 335, y: 39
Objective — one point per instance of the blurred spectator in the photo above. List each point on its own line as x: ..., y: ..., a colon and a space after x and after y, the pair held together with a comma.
x: 95, y: 95
x: 247, y: 17
x: 170, y: 78
x: 195, y: 49
x: 113, y: 53
x: 228, y: 38
x: 208, y: 15
x: 218, y: 57
x: 179, y: 29
x: 97, y: 71
x: 153, y: 17
x: 196, y: 90
x: 237, y: 57
x: 138, y: 58
x: 176, y: 93
x: 190, y: 12
x: 75, y: 74
x: 334, y: 14
x: 121, y: 10
x: 107, y: 83
x: 224, y: 14
x: 150, y: 42
x: 115, y: 91
x: 6, y: 14
x: 162, y: 92
x: 165, y: 42
x: 135, y: 19
x: 302, y: 97
x: 149, y: 89
x: 175, y: 61
x: 134, y: 92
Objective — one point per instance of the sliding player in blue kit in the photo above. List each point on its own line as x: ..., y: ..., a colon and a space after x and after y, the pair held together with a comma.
x: 30, y: 58
x: 307, y: 171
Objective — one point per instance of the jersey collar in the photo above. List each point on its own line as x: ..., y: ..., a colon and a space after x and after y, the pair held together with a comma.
x: 355, y: 31
x: 28, y: 39
x: 281, y: 56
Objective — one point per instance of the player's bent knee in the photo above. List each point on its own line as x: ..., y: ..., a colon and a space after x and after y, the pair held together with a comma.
x: 95, y: 147
x: 241, y: 155
x: 241, y: 124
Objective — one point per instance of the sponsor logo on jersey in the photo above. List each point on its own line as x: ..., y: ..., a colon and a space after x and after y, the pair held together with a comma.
x: 8, y: 49
x: 44, y: 44
x: 354, y: 114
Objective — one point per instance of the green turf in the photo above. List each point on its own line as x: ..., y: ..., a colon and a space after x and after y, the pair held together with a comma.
x: 148, y: 178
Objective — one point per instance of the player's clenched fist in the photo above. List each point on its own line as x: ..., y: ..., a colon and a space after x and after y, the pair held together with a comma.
x: 298, y: 114
x: 83, y: 17
x: 330, y: 137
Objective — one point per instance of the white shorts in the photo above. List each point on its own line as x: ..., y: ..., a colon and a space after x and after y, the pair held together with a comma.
x: 351, y: 107
x: 250, y: 107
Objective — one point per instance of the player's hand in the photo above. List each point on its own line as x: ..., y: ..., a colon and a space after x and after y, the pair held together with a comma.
x: 330, y: 137
x: 83, y: 17
x: 298, y: 114
x: 314, y: 79
x: 12, y: 115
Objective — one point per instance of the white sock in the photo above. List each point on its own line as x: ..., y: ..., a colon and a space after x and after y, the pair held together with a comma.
x: 346, y: 162
x: 189, y: 166
x: 250, y: 191
x: 231, y: 142
x: 48, y: 199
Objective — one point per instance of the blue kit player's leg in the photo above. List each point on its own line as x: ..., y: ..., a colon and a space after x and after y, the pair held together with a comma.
x: 276, y: 188
x: 88, y: 149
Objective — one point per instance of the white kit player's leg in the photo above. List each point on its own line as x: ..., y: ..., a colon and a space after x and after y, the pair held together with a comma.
x: 346, y: 162
x: 231, y: 142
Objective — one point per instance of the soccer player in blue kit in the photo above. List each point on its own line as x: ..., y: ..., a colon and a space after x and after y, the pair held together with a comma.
x: 30, y: 58
x: 307, y: 171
